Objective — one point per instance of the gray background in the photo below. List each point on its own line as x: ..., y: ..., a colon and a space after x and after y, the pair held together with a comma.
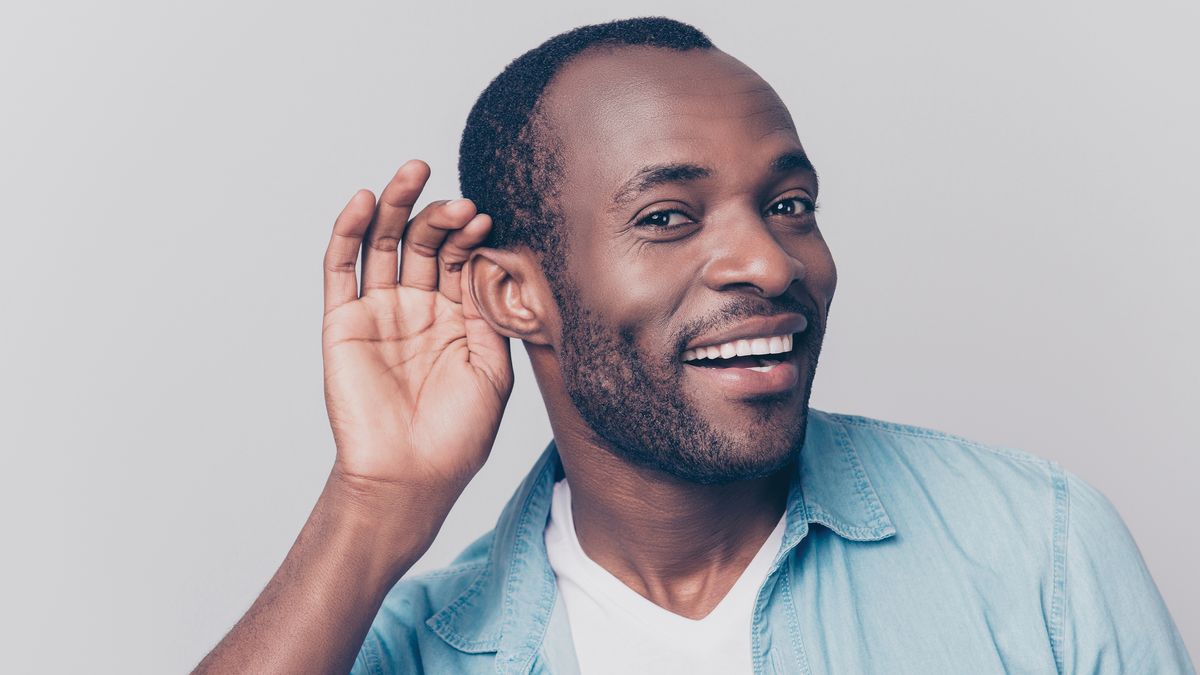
x: 1009, y: 191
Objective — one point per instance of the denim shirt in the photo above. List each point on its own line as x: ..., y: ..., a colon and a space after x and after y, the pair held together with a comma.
x: 906, y: 550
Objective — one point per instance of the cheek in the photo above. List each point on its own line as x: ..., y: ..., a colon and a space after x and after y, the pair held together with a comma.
x: 820, y: 271
x: 638, y: 289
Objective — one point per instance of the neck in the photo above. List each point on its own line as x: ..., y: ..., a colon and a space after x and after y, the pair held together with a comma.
x: 679, y: 544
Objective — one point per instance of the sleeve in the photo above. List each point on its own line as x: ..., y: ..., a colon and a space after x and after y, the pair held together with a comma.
x: 1115, y: 619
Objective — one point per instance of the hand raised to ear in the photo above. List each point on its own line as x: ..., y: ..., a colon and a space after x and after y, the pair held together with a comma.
x: 415, y: 380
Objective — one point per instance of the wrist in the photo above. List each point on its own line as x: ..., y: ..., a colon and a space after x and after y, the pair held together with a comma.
x: 392, y: 524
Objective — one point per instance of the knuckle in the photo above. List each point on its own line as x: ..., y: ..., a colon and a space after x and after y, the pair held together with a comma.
x: 421, y: 248
x: 384, y: 242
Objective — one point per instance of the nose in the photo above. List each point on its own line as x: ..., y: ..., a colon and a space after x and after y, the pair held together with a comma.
x: 747, y: 255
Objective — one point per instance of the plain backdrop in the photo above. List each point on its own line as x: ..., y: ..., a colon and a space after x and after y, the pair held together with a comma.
x: 1009, y: 190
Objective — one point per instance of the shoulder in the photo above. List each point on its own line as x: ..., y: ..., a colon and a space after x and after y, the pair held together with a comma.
x: 881, y: 434
x: 1033, y: 528
x: 946, y: 492
x: 951, y: 465
x: 399, y: 639
x: 944, y: 461
x: 1115, y: 619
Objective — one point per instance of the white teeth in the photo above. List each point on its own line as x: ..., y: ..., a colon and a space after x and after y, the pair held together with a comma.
x: 773, y: 344
x: 763, y: 369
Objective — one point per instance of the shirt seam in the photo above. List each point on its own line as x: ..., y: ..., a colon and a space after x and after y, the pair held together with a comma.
x: 517, y: 563
x: 373, y: 659
x: 440, y: 622
x: 443, y: 573
x: 1062, y: 524
x: 922, y: 432
x: 879, y: 520
x: 794, y: 622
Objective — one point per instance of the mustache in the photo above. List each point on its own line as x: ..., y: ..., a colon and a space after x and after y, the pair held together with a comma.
x: 738, y: 309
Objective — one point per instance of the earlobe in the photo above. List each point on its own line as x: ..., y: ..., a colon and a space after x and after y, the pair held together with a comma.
x: 510, y: 292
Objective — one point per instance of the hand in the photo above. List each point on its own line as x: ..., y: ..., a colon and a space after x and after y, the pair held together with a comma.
x: 415, y: 379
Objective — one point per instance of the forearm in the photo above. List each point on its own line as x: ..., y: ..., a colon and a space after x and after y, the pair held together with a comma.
x: 314, y: 614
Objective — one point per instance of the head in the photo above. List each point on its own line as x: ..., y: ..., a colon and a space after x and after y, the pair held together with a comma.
x: 653, y: 206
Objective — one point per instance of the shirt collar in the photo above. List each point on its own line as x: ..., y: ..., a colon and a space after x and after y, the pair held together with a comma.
x: 507, y: 608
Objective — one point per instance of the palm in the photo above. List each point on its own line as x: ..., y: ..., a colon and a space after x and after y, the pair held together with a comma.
x: 415, y: 379
x: 402, y: 371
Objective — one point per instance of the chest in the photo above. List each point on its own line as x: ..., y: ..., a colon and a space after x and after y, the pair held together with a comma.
x: 827, y: 613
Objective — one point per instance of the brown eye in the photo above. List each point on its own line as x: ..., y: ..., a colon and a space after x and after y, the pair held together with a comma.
x: 791, y: 206
x: 664, y: 219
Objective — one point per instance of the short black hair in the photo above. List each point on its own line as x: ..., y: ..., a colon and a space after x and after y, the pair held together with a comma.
x: 507, y: 160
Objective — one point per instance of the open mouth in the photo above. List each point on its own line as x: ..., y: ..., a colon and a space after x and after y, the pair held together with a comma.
x: 760, y: 354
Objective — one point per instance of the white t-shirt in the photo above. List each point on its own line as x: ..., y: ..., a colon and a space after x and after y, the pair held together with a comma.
x: 616, y: 630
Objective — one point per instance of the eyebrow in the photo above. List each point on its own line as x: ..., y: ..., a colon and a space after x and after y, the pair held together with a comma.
x: 792, y: 161
x: 649, y: 177
x: 654, y: 175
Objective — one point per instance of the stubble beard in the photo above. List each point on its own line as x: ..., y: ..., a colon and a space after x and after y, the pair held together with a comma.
x: 635, y: 404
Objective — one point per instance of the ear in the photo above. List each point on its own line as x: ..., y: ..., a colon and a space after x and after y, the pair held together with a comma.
x: 512, y: 294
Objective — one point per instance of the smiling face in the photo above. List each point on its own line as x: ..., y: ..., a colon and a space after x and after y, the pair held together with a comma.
x: 696, y: 285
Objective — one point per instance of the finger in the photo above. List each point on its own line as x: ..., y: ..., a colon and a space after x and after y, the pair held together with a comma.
x: 423, y: 238
x: 455, y: 251
x: 342, y: 253
x: 380, y: 254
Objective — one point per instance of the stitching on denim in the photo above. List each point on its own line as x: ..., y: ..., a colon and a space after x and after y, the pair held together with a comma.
x: 460, y: 569
x: 1059, y: 597
x: 545, y: 609
x: 797, y: 518
x: 866, y: 491
x: 756, y: 620
x: 842, y: 438
x: 823, y: 517
x: 371, y: 652
x: 517, y: 561
x: 794, y: 622
x: 441, y: 623
x: 922, y: 432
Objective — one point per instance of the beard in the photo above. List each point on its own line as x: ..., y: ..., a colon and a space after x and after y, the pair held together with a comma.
x: 634, y: 400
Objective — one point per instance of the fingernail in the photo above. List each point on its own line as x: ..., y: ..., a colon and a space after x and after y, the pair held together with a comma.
x: 455, y: 202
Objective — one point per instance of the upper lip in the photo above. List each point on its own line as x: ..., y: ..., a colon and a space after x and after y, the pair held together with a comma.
x: 755, y: 327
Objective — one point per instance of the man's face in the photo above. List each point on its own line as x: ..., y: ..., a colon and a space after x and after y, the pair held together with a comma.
x: 689, y: 234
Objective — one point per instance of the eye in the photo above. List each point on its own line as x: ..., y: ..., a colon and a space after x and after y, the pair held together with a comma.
x: 665, y: 219
x: 792, y: 206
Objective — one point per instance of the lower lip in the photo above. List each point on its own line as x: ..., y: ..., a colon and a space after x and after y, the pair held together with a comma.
x: 746, y: 383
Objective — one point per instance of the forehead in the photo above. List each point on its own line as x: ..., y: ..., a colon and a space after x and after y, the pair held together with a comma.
x: 617, y: 109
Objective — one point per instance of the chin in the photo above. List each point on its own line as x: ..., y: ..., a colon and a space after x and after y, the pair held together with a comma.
x: 758, y: 448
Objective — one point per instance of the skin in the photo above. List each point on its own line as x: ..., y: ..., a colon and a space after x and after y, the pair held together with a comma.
x: 417, y: 369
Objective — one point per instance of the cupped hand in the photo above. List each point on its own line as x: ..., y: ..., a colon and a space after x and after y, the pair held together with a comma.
x: 415, y: 379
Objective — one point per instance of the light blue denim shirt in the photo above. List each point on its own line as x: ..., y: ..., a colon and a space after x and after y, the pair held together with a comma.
x: 906, y: 551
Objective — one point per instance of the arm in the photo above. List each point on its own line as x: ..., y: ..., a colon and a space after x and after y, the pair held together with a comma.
x: 415, y: 385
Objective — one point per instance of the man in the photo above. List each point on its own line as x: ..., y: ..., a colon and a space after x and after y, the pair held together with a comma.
x: 641, y: 215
